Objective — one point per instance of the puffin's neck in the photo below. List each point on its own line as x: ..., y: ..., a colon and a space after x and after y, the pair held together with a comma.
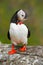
x: 19, y: 22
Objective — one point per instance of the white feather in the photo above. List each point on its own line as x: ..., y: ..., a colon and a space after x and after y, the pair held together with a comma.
x: 18, y: 33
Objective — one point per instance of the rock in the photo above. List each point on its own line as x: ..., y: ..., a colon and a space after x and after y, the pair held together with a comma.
x: 33, y: 56
x: 1, y: 55
x: 12, y: 57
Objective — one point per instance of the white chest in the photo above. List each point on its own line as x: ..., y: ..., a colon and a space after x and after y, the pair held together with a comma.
x: 18, y: 31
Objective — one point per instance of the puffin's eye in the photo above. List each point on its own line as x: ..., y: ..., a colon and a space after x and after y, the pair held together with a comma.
x: 22, y: 15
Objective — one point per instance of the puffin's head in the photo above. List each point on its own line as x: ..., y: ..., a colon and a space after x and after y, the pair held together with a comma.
x: 22, y: 15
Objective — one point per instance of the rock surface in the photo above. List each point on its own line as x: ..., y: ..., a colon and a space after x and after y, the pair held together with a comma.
x: 33, y: 56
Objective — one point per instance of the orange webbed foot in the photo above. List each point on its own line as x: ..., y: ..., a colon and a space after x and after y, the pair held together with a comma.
x: 12, y: 51
x: 23, y: 49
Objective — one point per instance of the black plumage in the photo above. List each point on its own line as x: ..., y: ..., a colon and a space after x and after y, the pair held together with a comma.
x: 8, y: 35
x: 14, y: 18
x: 28, y: 33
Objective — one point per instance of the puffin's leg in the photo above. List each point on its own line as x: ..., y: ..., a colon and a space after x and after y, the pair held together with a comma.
x: 12, y: 51
x: 23, y: 48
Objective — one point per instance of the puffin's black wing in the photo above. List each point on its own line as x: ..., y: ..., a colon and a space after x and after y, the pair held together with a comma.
x: 8, y: 35
x: 28, y: 33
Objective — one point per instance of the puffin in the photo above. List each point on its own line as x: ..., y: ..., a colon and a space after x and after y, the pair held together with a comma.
x: 18, y: 32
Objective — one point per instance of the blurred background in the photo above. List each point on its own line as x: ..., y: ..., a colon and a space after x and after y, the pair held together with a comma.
x: 34, y: 9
